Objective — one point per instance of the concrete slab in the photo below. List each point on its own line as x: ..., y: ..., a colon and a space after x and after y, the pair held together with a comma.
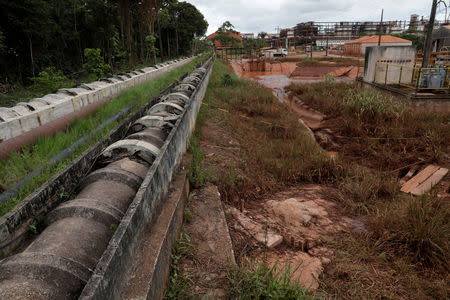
x: 212, y: 247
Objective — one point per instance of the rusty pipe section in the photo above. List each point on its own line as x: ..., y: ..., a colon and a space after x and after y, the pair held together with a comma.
x: 60, y: 261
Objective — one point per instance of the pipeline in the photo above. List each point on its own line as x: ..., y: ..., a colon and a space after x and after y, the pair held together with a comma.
x: 60, y: 261
x: 64, y: 154
x: 22, y: 124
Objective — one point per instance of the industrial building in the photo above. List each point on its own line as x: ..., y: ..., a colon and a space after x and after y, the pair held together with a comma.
x: 358, y: 46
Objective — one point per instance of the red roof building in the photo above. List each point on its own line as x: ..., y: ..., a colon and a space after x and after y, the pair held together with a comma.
x: 358, y: 46
x: 218, y: 44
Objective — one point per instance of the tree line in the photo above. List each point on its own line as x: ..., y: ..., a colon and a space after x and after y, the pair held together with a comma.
x: 67, y: 35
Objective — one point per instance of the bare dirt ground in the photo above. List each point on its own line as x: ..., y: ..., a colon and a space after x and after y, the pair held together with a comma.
x: 304, y: 218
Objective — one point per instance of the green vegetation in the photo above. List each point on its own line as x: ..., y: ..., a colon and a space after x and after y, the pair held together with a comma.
x: 94, y: 64
x: 197, y: 174
x: 416, y: 37
x: 178, y: 284
x: 408, y: 236
x: 49, y: 79
x: 224, y: 35
x: 264, y: 282
x: 86, y: 39
x: 21, y: 163
x: 323, y: 61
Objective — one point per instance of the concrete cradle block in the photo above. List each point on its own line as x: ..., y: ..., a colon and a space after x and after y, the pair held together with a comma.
x: 61, y: 109
x: 45, y: 115
x: 9, y: 129
x: 30, y: 122
x: 148, y: 69
x: 21, y: 110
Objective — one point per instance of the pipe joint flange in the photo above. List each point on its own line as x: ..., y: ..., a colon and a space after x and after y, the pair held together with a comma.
x: 165, y: 106
x: 185, y: 88
x: 142, y: 149
x: 86, y: 208
x: 178, y: 96
x: 112, y: 174
x: 151, y: 121
x: 191, y: 80
x: 147, y: 137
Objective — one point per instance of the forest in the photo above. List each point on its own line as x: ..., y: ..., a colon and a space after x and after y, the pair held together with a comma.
x: 49, y: 40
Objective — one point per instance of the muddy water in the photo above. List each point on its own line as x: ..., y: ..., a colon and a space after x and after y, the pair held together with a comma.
x: 279, y: 75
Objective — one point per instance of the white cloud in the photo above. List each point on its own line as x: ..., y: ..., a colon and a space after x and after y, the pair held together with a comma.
x: 266, y: 15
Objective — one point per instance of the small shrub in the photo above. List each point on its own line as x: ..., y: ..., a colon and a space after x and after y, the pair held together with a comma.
x: 49, y: 80
x: 178, y: 284
x: 95, y: 64
x: 264, y: 282
x: 329, y: 78
x: 418, y: 228
x: 369, y: 106
x: 227, y: 80
x: 188, y: 216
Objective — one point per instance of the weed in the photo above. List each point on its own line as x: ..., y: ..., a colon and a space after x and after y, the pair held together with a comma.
x: 227, y: 80
x: 419, y: 228
x: 32, y: 227
x: 197, y: 175
x: 49, y: 79
x: 370, y: 106
x: 188, y: 216
x: 362, y: 189
x: 265, y: 282
x: 178, y: 284
x: 113, y: 228
x: 329, y: 78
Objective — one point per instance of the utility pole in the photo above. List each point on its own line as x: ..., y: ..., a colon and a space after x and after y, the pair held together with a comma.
x: 381, y: 28
x: 427, y: 46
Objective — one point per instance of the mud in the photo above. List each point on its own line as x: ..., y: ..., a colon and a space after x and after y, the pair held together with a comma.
x: 278, y: 74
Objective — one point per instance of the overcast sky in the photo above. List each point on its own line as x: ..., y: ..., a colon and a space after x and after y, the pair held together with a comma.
x: 265, y: 15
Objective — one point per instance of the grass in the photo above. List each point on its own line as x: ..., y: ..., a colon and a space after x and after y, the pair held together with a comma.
x: 408, y: 236
x: 267, y: 136
x: 384, y: 130
x: 264, y: 282
x: 420, y: 228
x: 19, y: 164
x: 197, y: 174
x: 262, y: 149
x: 178, y: 284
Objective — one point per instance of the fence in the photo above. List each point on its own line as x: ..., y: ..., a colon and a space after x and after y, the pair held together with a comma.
x: 415, y: 77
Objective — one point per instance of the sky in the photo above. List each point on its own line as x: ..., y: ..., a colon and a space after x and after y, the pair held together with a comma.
x: 266, y: 15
